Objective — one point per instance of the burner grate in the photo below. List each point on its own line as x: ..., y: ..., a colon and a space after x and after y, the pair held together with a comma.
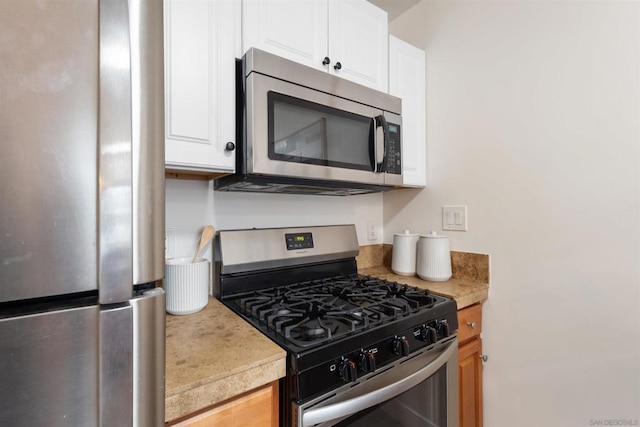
x: 313, y: 312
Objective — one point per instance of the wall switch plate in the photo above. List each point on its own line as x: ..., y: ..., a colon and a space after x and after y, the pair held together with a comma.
x: 373, y: 231
x: 169, y: 243
x: 454, y: 218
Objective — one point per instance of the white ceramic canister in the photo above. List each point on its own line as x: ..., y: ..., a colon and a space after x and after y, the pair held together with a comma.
x: 403, y: 258
x: 434, y: 257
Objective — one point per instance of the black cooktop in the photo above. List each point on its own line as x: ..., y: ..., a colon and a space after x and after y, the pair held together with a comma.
x: 313, y: 313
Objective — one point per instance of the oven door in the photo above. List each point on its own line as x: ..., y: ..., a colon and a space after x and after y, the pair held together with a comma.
x: 419, y: 391
x: 295, y: 131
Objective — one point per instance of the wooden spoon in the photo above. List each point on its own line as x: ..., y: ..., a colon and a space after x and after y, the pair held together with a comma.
x: 207, y: 235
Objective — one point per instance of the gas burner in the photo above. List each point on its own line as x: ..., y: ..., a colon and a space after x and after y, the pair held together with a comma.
x: 314, y: 329
x: 307, y: 331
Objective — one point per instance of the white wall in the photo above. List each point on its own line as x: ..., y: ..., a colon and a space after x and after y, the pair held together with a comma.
x: 533, y: 117
x: 190, y: 205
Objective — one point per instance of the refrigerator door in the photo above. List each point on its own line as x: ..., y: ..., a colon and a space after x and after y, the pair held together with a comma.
x: 48, y: 149
x: 81, y: 147
x: 49, y: 368
x: 85, y: 366
x: 131, y: 147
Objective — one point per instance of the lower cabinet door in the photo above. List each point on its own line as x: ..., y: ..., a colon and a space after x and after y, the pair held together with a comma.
x: 470, y: 383
x: 257, y: 408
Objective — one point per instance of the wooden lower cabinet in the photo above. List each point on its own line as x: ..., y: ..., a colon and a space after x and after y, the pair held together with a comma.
x: 470, y: 366
x: 256, y: 408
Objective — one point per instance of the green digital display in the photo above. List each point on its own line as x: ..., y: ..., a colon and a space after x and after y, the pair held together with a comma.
x: 296, y: 241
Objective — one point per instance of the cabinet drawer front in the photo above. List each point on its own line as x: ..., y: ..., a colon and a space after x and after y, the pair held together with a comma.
x: 256, y: 408
x: 469, y: 322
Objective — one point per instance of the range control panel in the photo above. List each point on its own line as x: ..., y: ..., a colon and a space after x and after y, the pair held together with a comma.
x: 355, y: 364
x: 297, y: 241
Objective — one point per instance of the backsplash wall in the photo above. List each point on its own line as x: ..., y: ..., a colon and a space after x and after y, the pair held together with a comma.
x: 190, y: 205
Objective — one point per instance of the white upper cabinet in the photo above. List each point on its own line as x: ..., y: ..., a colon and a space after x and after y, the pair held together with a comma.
x: 358, y: 49
x: 202, y: 40
x: 407, y: 81
x: 293, y: 29
x: 347, y: 38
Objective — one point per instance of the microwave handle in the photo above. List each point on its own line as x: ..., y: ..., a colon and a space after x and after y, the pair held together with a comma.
x: 381, y: 154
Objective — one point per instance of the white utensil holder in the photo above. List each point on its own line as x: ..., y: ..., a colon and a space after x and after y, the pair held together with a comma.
x: 187, y: 285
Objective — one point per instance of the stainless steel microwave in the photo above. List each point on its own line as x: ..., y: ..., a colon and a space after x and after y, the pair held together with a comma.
x: 304, y: 131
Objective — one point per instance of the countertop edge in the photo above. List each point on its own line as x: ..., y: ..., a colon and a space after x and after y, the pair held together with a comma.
x: 258, y: 365
x: 202, y: 396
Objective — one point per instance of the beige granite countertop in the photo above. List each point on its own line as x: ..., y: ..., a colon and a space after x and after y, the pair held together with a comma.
x: 214, y: 355
x: 466, y: 292
x: 469, y: 284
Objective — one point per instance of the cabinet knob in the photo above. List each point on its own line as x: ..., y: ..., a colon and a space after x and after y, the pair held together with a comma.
x: 472, y: 325
x: 326, y: 61
x: 484, y: 358
x: 337, y: 66
x: 230, y: 146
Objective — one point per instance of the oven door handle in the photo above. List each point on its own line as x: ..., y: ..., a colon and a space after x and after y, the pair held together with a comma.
x: 353, y: 406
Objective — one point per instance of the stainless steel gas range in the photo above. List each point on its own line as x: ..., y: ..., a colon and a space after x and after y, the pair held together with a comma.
x: 360, y: 350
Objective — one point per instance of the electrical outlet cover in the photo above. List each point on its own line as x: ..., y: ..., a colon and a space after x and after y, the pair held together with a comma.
x: 169, y: 243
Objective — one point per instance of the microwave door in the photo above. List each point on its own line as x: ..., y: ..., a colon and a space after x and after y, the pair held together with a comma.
x: 294, y: 131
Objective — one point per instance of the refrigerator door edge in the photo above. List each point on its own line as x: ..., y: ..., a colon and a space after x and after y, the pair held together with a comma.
x: 149, y: 358
x: 115, y: 367
x: 114, y: 155
x: 147, y: 108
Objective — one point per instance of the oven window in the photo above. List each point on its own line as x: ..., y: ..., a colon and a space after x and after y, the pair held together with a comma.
x: 305, y: 132
x: 425, y: 405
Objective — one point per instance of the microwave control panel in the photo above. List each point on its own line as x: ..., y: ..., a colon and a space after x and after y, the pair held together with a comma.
x: 393, y: 163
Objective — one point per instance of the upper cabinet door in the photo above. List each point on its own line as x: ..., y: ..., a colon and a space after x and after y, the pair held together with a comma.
x: 347, y: 38
x: 407, y: 81
x: 293, y: 29
x: 201, y: 45
x: 358, y: 35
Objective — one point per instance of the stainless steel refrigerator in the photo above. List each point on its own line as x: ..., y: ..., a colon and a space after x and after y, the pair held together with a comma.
x: 82, y: 325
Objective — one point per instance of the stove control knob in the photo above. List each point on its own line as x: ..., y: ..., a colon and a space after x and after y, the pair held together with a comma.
x: 428, y: 334
x: 367, y: 361
x: 443, y: 328
x: 401, y: 346
x: 348, y: 370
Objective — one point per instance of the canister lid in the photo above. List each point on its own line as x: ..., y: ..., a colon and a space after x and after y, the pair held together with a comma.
x: 406, y: 233
x: 433, y: 235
